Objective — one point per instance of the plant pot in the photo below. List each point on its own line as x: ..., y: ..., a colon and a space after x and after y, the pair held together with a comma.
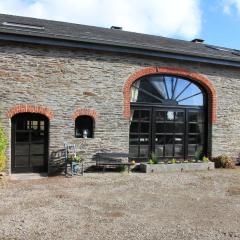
x: 75, y: 167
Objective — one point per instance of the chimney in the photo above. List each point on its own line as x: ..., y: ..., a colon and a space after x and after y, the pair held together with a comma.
x: 197, y: 40
x: 116, y: 28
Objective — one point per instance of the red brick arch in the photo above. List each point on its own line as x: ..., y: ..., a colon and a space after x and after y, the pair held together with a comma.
x: 172, y: 71
x: 85, y: 112
x: 26, y: 108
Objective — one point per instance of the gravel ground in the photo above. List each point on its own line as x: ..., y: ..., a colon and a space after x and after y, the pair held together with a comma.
x: 187, y: 205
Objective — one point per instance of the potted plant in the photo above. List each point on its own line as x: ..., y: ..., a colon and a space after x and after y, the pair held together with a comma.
x: 75, y: 161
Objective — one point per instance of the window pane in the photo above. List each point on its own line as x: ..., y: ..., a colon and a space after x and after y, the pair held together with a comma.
x: 179, y: 127
x: 133, y: 139
x: 133, y: 127
x: 159, y: 127
x: 159, y: 150
x: 159, y: 139
x: 37, y: 160
x: 133, y: 151
x: 169, y: 128
x: 144, y: 151
x: 160, y: 115
x: 145, y: 115
x: 144, y: 128
x: 179, y: 116
x: 144, y: 139
x: 179, y: 150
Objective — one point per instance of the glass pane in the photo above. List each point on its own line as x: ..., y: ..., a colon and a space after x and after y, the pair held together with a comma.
x: 159, y: 127
x: 194, y: 128
x: 158, y: 83
x: 181, y: 84
x: 160, y: 115
x: 168, y: 150
x: 144, y: 151
x: 134, y: 127
x: 144, y: 139
x: 135, y: 114
x: 21, y: 124
x: 169, y: 128
x: 179, y: 116
x: 178, y: 139
x: 21, y: 149
x: 192, y: 116
x: 22, y: 137
x: 21, y: 161
x: 35, y: 125
x: 192, y: 149
x: 42, y: 125
x: 159, y: 150
x: 144, y: 128
x: 145, y: 115
x: 37, y: 136
x: 37, y: 149
x: 193, y: 101
x: 169, y: 139
x: 179, y: 150
x: 133, y: 151
x: 133, y: 139
x: 37, y: 160
x: 179, y: 128
x: 159, y: 139
x: 195, y: 139
x: 168, y: 81
x: 170, y: 116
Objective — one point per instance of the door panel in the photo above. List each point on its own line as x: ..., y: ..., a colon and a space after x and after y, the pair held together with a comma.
x: 29, y: 143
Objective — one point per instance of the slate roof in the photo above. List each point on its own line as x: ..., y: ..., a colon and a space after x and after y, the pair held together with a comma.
x: 98, y: 35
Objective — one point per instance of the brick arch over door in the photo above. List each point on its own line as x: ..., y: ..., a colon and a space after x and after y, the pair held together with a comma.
x: 196, y: 77
x: 26, y: 108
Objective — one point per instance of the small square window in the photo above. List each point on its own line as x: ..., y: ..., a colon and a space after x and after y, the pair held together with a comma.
x: 84, y: 127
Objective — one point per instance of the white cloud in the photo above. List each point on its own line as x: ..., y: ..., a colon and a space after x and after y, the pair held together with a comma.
x: 231, y: 5
x: 161, y: 17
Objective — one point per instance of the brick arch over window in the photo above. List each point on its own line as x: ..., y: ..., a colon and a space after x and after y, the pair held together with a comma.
x: 196, y: 77
x: 25, y: 108
x: 85, y: 112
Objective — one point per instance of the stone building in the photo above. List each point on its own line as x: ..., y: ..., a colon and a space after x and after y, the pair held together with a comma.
x: 115, y: 90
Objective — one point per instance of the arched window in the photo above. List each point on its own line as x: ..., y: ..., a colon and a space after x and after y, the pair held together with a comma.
x: 166, y: 90
x: 84, y: 127
x: 168, y: 118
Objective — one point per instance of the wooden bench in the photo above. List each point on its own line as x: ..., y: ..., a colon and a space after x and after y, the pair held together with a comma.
x: 112, y: 159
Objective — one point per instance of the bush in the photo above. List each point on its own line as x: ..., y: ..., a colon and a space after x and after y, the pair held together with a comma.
x: 3, y: 146
x: 121, y: 168
x: 153, y: 159
x: 223, y: 161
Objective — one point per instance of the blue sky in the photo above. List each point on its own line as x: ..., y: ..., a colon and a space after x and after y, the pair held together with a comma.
x: 215, y: 21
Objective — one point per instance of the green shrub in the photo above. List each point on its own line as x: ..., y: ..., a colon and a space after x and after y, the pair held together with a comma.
x: 223, y: 161
x: 153, y: 159
x: 205, y: 159
x: 121, y: 168
x: 3, y: 146
x: 198, y: 154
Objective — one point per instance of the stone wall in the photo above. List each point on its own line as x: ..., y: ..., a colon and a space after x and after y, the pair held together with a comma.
x: 65, y: 80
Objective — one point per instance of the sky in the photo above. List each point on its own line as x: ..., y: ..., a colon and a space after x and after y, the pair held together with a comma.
x: 215, y: 21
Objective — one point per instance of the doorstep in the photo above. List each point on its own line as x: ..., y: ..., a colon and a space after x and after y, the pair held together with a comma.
x: 27, y: 176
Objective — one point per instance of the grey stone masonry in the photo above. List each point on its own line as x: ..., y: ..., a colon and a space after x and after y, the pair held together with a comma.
x: 65, y: 80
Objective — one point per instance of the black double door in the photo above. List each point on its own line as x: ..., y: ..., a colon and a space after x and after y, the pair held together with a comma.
x: 29, y: 143
x: 168, y: 132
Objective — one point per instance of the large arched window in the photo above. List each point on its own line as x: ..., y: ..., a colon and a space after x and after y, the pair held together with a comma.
x: 166, y: 90
x: 168, y: 118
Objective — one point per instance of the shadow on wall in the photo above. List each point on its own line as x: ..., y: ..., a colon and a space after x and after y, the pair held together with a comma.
x: 57, y: 162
